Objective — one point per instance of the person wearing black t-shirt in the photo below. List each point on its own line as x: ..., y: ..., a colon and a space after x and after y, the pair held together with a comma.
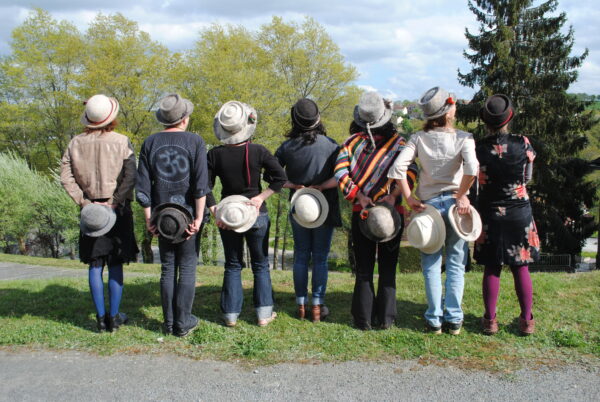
x: 238, y: 164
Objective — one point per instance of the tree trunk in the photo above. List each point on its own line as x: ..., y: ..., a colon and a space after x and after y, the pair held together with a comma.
x: 285, y: 232
x: 22, y: 246
x: 214, y: 231
x: 276, y: 241
x: 147, y: 254
x: 598, y: 241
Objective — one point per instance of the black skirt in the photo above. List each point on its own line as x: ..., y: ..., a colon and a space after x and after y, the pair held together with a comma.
x: 116, y: 247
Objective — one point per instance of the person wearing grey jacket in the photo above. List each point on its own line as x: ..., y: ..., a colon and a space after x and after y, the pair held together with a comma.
x: 98, y: 173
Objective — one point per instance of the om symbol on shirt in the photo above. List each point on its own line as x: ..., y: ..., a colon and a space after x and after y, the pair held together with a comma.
x: 172, y: 163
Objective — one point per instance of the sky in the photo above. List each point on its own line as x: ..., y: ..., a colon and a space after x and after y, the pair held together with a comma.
x: 399, y: 47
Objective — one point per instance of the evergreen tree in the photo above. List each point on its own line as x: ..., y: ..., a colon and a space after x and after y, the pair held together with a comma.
x: 521, y: 51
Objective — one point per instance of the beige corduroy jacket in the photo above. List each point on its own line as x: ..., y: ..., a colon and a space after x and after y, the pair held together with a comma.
x: 99, y: 166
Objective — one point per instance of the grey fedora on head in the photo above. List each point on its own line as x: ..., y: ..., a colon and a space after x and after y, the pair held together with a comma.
x: 372, y: 110
x: 171, y: 221
x: 380, y: 223
x: 97, y: 220
x: 436, y: 102
x: 172, y: 109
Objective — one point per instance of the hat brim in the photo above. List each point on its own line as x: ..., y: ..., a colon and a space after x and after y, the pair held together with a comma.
x: 477, y: 224
x: 107, y: 121
x: 237, y: 199
x: 364, y: 228
x: 228, y: 138
x: 322, y: 202
x: 157, y: 212
x: 112, y: 219
x: 189, y: 108
x: 438, y: 220
x: 387, y: 116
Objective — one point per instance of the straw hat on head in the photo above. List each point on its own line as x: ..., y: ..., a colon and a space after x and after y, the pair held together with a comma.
x: 380, y: 223
x: 172, y: 109
x: 467, y: 226
x: 436, y: 102
x: 309, y: 207
x: 100, y: 111
x: 235, y: 122
x: 427, y: 230
x: 237, y: 212
x: 171, y: 221
x: 97, y: 220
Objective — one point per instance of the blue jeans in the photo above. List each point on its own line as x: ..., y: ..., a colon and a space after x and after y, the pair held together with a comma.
x: 178, y: 281
x: 232, y: 294
x: 455, y: 270
x: 311, y: 244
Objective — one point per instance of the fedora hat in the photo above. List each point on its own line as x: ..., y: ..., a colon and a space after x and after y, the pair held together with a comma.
x: 372, y: 110
x: 171, y: 221
x: 497, y: 111
x: 305, y: 113
x: 309, y: 207
x: 380, y: 223
x: 172, y: 109
x: 237, y: 212
x: 427, y: 230
x: 100, y: 111
x: 467, y: 226
x: 436, y: 102
x: 96, y: 220
x: 235, y: 122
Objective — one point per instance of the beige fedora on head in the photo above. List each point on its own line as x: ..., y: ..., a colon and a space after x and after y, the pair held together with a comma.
x: 309, y: 207
x: 237, y: 212
x: 427, y: 230
x: 467, y: 226
x: 100, y: 111
x: 235, y: 122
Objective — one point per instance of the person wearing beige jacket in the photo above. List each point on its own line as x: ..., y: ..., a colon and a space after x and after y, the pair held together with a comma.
x: 98, y: 172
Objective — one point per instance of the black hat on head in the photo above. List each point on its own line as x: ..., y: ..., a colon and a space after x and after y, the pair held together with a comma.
x: 497, y: 111
x: 305, y: 113
x: 171, y: 221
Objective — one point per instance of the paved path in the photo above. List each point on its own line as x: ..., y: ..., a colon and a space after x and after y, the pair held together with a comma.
x: 11, y: 271
x: 78, y: 376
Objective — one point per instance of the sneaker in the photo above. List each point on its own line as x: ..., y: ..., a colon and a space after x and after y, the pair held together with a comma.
x: 526, y: 327
x: 113, y: 323
x: 230, y: 324
x: 186, y: 331
x: 454, y: 327
x: 432, y: 330
x: 266, y: 321
x: 489, y: 327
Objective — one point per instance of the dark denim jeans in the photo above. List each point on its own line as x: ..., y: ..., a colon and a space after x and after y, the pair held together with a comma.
x: 232, y: 295
x: 178, y: 281
x: 311, y: 244
x: 365, y: 305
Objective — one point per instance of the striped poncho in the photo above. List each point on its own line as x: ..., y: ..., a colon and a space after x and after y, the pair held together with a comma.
x: 360, y: 167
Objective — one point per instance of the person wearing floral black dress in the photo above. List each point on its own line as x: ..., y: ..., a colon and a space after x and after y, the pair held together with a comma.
x: 509, y: 235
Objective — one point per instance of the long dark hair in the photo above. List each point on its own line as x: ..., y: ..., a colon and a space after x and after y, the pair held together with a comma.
x: 308, y: 136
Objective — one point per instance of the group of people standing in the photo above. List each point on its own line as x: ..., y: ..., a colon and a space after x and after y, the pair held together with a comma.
x: 374, y: 169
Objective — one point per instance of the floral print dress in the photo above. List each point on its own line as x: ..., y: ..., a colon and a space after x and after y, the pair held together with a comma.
x: 509, y: 234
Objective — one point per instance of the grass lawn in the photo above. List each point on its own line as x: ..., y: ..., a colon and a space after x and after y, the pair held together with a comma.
x: 58, y: 314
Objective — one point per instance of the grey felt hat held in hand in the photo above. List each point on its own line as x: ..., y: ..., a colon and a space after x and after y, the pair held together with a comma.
x: 235, y: 122
x: 171, y: 221
x: 309, y: 208
x: 100, y: 111
x: 172, y: 109
x: 97, y: 220
x: 436, y: 102
x: 380, y: 223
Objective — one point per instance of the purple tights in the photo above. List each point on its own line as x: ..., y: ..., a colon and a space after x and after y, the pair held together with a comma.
x: 523, y: 287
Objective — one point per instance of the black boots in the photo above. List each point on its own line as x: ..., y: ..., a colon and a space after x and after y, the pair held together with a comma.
x: 113, y: 323
x: 101, y: 323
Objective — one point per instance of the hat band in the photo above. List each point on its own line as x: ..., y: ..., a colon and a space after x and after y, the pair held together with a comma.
x: 112, y: 108
x: 302, y: 125
x: 510, y: 116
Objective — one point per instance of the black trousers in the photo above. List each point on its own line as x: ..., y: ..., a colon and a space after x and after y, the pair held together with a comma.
x: 368, y: 309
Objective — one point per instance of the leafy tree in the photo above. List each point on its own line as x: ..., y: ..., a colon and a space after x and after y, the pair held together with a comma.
x: 521, y: 51
x: 38, y: 88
